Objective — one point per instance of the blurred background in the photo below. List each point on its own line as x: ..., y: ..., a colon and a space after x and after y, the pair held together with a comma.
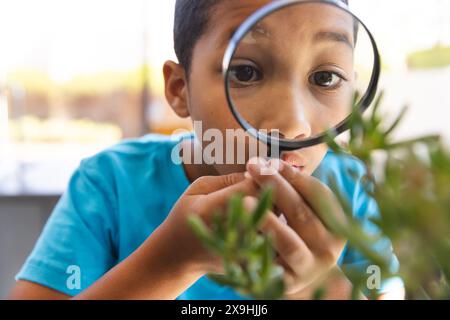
x: 77, y: 76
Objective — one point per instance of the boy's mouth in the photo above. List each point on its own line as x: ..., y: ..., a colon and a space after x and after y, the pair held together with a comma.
x: 295, y: 160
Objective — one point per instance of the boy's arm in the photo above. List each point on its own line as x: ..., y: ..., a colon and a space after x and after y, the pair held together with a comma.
x: 163, y: 267
x: 337, y: 287
x: 149, y: 273
x: 152, y: 272
x: 26, y: 290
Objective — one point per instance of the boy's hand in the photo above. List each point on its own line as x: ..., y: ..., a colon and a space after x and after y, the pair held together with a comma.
x: 306, y: 249
x: 204, y: 197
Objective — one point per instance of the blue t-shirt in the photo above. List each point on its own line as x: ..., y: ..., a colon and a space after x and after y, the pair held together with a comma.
x: 116, y: 199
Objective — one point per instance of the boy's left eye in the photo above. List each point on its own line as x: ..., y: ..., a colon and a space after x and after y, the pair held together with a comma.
x: 326, y: 79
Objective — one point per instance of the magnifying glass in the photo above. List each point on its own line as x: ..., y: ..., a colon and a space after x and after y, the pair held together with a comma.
x: 292, y: 71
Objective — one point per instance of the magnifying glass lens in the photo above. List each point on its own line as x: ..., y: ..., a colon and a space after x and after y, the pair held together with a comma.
x: 296, y: 71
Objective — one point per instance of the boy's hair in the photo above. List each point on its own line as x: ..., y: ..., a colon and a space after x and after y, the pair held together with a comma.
x: 191, y: 22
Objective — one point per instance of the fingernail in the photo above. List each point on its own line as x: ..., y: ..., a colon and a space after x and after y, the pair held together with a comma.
x: 260, y: 162
x: 260, y: 167
x: 247, y: 175
x: 276, y: 164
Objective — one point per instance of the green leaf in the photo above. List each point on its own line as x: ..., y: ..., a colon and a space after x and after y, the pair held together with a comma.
x: 397, y: 121
x: 264, y: 204
x: 205, y: 235
x: 319, y: 294
x: 223, y: 280
x: 235, y: 211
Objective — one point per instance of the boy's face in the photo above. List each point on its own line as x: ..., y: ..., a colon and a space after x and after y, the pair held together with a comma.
x: 206, y: 96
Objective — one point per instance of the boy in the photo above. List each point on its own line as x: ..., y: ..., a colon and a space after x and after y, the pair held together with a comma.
x: 120, y: 230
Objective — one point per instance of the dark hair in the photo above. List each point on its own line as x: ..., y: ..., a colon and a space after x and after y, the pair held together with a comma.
x: 191, y: 22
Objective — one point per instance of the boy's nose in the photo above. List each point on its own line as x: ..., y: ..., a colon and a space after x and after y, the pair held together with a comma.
x: 292, y: 118
x: 296, y: 127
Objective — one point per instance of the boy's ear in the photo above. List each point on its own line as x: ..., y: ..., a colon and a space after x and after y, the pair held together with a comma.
x: 176, y: 89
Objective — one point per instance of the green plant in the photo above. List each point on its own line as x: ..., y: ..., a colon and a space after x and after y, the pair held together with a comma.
x: 410, y: 181
x: 248, y: 257
x: 412, y: 190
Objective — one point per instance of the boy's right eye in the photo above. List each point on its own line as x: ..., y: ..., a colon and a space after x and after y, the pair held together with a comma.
x: 243, y: 75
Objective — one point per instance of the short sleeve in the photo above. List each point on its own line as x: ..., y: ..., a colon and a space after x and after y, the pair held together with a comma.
x: 77, y: 245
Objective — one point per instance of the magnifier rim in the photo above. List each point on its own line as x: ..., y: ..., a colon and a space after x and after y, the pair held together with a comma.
x: 285, y: 144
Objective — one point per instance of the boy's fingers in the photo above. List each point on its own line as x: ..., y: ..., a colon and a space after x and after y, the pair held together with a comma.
x: 318, y: 196
x: 297, y: 212
x: 285, y: 241
x: 220, y: 198
x: 208, y: 184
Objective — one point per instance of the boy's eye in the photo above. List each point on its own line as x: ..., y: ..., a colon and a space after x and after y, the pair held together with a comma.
x: 244, y: 75
x: 326, y: 79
